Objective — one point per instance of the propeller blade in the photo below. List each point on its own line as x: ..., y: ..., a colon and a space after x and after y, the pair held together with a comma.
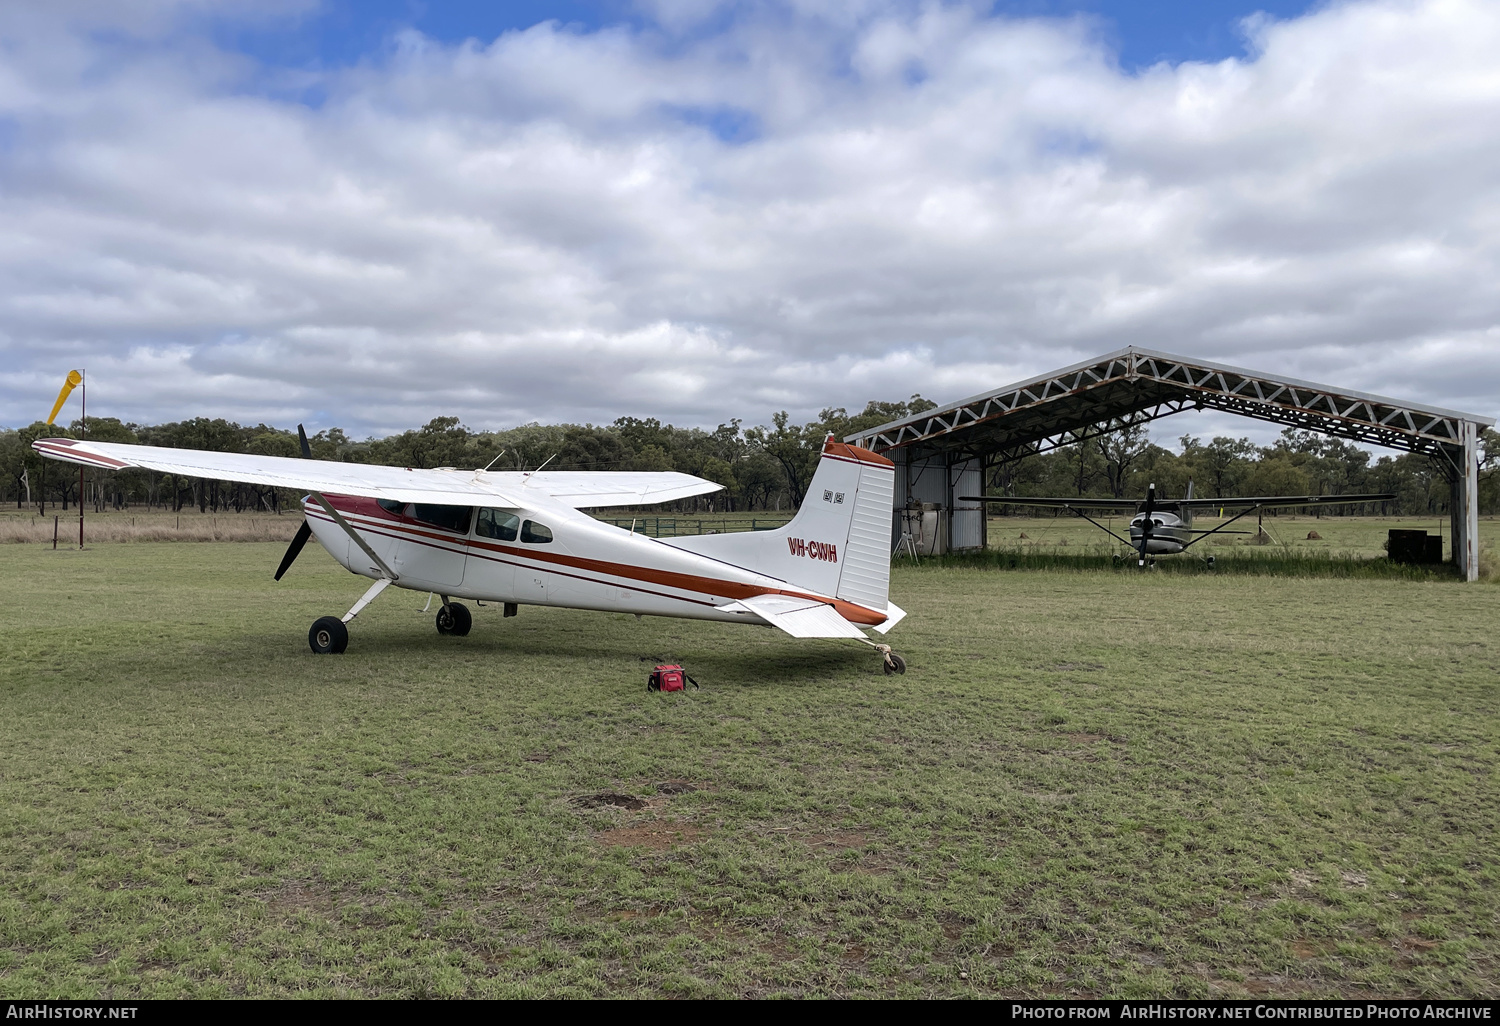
x: 295, y: 548
x: 1146, y: 521
x: 302, y: 437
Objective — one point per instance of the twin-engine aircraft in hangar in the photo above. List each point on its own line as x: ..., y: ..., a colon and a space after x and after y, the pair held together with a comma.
x: 1165, y: 526
x: 519, y: 538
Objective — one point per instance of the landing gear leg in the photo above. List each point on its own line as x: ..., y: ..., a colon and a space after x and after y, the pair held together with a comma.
x: 329, y: 635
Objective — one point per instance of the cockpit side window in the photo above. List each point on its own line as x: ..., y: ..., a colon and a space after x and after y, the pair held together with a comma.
x: 449, y: 518
x: 497, y: 524
x: 535, y: 533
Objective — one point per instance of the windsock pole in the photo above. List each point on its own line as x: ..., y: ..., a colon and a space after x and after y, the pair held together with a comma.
x: 74, y: 379
x: 83, y: 430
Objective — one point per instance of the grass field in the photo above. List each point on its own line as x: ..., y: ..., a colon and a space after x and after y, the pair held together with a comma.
x: 1087, y: 784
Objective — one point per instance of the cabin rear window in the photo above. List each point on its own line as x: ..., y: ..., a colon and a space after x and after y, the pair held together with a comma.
x: 497, y: 524
x: 449, y: 518
x: 535, y: 533
x: 391, y: 506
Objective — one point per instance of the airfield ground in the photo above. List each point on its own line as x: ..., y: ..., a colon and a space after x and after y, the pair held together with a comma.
x: 1089, y: 783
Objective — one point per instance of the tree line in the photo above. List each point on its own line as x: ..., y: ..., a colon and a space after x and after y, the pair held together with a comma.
x: 763, y: 468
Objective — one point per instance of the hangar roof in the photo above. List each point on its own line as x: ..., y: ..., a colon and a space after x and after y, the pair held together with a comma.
x: 1133, y: 386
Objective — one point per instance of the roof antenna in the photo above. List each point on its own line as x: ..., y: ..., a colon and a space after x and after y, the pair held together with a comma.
x: 492, y: 462
x: 538, y: 470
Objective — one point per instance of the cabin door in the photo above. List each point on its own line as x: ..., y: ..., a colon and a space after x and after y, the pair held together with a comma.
x: 433, y: 550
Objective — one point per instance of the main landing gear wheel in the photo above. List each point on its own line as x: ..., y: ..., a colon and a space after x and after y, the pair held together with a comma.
x: 329, y: 636
x: 454, y: 619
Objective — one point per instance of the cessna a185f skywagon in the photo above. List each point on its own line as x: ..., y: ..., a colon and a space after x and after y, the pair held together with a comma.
x: 519, y: 538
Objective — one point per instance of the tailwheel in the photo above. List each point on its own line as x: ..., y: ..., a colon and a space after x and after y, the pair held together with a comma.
x: 329, y: 636
x: 454, y: 618
x: 893, y: 662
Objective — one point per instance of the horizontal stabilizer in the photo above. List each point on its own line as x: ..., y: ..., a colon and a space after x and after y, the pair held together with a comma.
x: 895, y: 614
x: 801, y: 618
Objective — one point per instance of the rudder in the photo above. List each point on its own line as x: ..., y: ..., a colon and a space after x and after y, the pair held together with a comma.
x: 837, y: 544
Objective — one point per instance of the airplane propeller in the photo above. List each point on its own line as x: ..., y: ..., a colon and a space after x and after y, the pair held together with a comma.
x: 305, y: 531
x: 1146, y: 522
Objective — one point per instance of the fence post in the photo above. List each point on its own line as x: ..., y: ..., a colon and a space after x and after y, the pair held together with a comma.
x: 54, y: 534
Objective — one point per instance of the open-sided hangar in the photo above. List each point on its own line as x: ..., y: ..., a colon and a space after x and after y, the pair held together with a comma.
x: 943, y: 453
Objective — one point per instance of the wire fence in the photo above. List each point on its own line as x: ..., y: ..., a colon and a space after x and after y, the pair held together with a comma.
x: 674, y: 527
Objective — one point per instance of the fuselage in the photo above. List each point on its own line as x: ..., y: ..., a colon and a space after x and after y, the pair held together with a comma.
x: 1169, y: 532
x: 548, y: 555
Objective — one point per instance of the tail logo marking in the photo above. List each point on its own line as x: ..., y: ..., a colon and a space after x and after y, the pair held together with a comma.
x: 813, y: 549
x: 837, y: 498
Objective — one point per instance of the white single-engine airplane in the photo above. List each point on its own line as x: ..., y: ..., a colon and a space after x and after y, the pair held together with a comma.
x: 519, y: 538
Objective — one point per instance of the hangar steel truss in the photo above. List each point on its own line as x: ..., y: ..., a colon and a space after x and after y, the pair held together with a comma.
x: 1135, y: 386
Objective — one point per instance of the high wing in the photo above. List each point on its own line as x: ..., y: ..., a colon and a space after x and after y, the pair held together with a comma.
x: 1265, y: 501
x: 1014, y: 500
x: 576, y: 488
x: 1274, y: 501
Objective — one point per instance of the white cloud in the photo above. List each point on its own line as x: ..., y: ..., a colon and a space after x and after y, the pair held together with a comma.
x: 798, y: 210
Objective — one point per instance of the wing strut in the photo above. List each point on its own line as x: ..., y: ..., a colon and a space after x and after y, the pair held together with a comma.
x: 1081, y: 513
x: 1221, y: 527
x: 354, y: 536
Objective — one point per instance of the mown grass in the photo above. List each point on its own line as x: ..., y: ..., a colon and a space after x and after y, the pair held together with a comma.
x: 1088, y: 783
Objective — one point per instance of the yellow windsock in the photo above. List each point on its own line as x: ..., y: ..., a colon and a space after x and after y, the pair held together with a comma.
x: 74, y: 378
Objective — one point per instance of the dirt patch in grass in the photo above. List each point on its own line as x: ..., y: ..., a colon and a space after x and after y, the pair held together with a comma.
x: 1312, y: 947
x: 953, y: 925
x: 677, y: 787
x: 839, y: 840
x: 658, y: 835
x: 299, y: 896
x: 608, y: 800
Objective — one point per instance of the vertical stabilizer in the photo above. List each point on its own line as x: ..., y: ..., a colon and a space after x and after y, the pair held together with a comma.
x: 838, y: 544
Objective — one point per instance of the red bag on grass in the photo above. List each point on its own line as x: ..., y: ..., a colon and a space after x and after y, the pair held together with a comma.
x: 669, y: 677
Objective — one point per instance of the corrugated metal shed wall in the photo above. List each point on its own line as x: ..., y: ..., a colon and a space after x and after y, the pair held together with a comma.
x: 933, y: 481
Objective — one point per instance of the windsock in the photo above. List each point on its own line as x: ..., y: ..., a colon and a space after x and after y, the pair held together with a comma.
x: 74, y: 379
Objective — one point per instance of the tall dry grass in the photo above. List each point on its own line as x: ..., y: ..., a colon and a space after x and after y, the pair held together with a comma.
x: 100, y: 528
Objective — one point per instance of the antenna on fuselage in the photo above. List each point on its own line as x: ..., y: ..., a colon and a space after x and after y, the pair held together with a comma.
x: 492, y: 462
x: 538, y: 470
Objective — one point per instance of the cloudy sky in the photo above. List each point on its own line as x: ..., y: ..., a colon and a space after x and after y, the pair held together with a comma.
x: 370, y: 214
